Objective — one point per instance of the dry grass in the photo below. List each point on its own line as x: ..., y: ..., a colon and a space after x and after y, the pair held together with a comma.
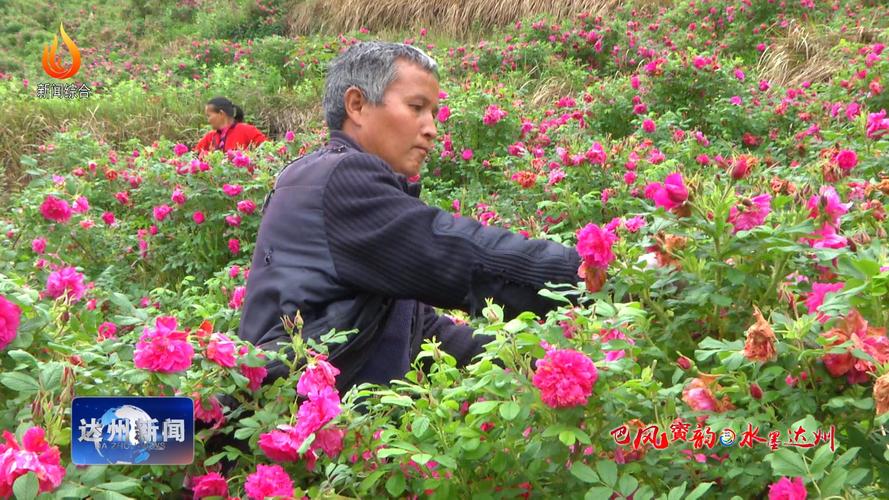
x: 548, y: 91
x: 805, y: 53
x: 446, y: 17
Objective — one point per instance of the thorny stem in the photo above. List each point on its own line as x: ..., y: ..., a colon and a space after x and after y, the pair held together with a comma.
x: 776, y: 275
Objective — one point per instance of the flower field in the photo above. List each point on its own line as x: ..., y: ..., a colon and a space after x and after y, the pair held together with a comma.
x: 719, y: 165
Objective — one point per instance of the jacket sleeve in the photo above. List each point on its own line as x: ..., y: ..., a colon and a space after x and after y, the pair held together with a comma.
x: 258, y: 137
x: 384, y: 241
x: 456, y: 340
x: 204, y: 143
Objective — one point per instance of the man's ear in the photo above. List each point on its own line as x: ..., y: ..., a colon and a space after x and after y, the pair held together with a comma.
x: 355, y: 103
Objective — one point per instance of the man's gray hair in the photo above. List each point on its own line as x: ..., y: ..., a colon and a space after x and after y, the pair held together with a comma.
x: 369, y: 66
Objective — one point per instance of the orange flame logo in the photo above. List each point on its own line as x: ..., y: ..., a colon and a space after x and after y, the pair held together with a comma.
x: 51, y: 63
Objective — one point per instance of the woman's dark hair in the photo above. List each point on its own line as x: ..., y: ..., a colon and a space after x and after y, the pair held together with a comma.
x: 227, y: 107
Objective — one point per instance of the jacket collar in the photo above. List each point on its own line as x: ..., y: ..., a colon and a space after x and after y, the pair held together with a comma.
x: 340, y: 138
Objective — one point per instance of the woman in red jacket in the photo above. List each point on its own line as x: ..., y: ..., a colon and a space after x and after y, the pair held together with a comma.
x: 229, y: 130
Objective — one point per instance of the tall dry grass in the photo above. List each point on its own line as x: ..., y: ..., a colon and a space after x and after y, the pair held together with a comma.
x: 456, y: 18
x: 804, y: 52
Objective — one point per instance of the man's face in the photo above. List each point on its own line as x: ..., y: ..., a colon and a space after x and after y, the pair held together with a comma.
x: 402, y: 130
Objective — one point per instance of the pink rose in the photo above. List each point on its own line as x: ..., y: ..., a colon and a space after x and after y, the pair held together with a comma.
x: 107, y: 330
x: 33, y: 455
x: 209, y: 485
x: 178, y: 197
x: 38, y: 245
x: 750, y: 213
x: 318, y: 375
x: 55, y: 209
x: 565, y: 378
x: 161, y: 212
x: 66, y: 281
x: 232, y: 190
x: 785, y: 489
x: 10, y: 318
x: 648, y: 126
x: 847, y: 159
x: 246, y: 206
x: 163, y: 348
x: 268, y: 481
x: 221, y: 350
x: 594, y: 246
x: 816, y: 297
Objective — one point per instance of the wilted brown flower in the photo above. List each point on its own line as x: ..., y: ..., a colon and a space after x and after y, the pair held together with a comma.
x: 665, y: 248
x: 760, y: 343
x: 881, y: 394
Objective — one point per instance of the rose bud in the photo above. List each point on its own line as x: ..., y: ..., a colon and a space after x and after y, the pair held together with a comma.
x: 755, y: 391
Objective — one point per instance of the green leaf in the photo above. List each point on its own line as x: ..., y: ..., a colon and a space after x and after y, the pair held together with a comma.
x: 699, y: 491
x: 677, y: 492
x: 583, y: 472
x: 627, y: 485
x: 20, y: 382
x: 23, y: 357
x: 605, y: 310
x: 820, y: 461
x: 554, y: 296
x: 70, y: 490
x: 446, y: 461
x: 110, y: 495
x: 420, y: 426
x: 643, y: 493
x: 469, y: 444
x: 304, y: 447
x: 607, y: 472
x: 833, y: 483
x: 515, y: 326
x: 51, y: 375
x: 120, y: 486
x: 483, y: 407
x: 567, y: 437
x: 215, y: 458
x: 93, y: 474
x: 597, y: 493
x: 395, y: 484
x: 404, y: 401
x: 720, y: 300
x: 170, y: 379
x: 371, y: 480
x: 244, y: 433
x: 421, y: 458
x: 510, y: 410
x: 391, y: 452
x: 26, y: 487
x: 846, y: 457
x: 855, y: 476
x: 787, y: 463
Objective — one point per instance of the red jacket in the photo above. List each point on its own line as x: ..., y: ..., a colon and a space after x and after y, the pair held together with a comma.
x: 238, y: 136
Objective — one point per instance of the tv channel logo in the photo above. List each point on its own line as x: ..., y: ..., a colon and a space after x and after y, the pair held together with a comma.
x: 132, y: 430
x: 52, y: 65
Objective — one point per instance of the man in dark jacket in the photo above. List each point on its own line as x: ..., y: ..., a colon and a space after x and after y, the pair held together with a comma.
x: 346, y: 242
